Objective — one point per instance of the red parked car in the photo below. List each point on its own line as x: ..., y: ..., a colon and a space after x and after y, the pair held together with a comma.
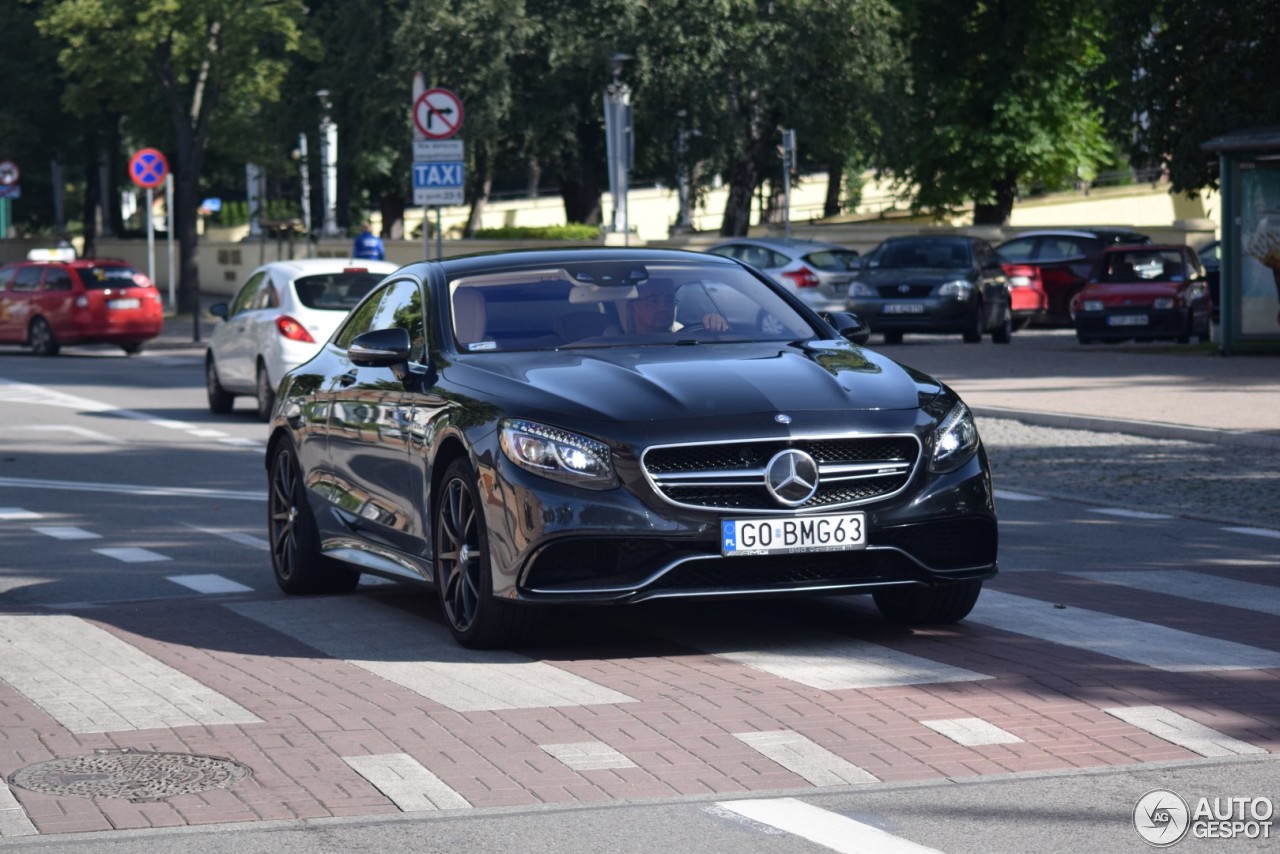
x: 46, y: 304
x: 1027, y: 297
x: 1144, y: 292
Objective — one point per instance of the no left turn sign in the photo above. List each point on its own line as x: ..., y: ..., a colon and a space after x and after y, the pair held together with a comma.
x: 9, y: 173
x: 438, y: 114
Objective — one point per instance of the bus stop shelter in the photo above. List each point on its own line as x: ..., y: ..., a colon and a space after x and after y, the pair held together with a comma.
x: 1249, y: 175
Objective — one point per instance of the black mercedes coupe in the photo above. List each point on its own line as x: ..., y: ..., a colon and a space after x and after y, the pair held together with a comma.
x: 620, y: 425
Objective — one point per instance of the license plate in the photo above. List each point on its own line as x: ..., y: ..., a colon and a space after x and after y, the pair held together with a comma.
x: 903, y: 308
x: 793, y: 534
x: 124, y: 303
x: 1127, y: 320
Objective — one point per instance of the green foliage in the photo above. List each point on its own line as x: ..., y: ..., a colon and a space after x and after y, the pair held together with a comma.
x: 572, y: 231
x: 235, y: 212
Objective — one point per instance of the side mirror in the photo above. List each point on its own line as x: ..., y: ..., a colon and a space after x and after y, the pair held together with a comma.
x: 219, y: 310
x: 381, y: 348
x: 848, y: 325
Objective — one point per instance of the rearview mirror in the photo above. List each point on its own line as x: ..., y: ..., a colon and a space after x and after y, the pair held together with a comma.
x: 381, y: 348
x: 849, y: 325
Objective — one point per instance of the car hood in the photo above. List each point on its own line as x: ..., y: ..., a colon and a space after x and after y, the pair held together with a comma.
x: 721, y: 380
x: 919, y: 275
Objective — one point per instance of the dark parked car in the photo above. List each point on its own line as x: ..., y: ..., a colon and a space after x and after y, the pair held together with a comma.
x: 1211, y: 258
x: 1065, y: 259
x: 1143, y: 293
x: 586, y: 427
x: 934, y: 284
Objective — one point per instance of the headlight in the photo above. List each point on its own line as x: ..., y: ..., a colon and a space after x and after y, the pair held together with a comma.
x: 1092, y: 305
x: 861, y: 289
x: 954, y: 441
x: 1164, y: 302
x: 957, y: 289
x: 558, y: 454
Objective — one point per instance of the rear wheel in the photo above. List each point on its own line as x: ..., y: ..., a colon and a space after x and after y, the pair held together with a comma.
x: 220, y: 400
x: 464, y: 579
x: 918, y: 605
x: 1003, y: 334
x: 266, y: 394
x: 133, y: 348
x: 43, y: 342
x: 296, y: 559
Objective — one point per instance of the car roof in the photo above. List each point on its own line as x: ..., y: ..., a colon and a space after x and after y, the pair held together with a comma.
x: 483, y: 261
x: 1144, y: 247
x: 782, y: 243
x: 1074, y: 232
x: 295, y: 267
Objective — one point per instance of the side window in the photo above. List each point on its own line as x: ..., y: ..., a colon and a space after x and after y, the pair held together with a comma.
x: 1018, y: 249
x: 244, y: 299
x: 267, y: 296
x: 57, y: 279
x: 726, y: 251
x: 396, y: 304
x: 6, y: 277
x: 28, y: 278
x: 776, y: 259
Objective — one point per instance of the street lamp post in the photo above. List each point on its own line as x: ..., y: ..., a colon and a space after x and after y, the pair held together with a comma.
x: 619, y: 141
x: 328, y: 166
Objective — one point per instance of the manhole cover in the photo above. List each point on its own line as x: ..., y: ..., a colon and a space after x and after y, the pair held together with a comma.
x: 130, y: 774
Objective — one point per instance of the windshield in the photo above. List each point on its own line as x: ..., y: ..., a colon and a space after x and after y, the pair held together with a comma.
x: 335, y: 291
x: 612, y: 305
x: 945, y: 254
x: 109, y: 277
x: 1142, y: 265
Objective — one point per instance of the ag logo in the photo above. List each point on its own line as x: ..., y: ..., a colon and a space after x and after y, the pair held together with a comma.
x: 1161, y: 818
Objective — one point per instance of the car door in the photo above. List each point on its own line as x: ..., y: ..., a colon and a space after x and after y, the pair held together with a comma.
x: 234, y: 340
x: 370, y: 414
x: 9, y: 331
x: 23, y: 295
x: 56, y: 300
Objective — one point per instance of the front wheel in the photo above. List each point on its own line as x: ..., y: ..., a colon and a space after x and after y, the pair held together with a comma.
x: 934, y: 605
x: 464, y: 579
x: 43, y: 342
x: 266, y: 394
x: 973, y: 334
x: 1003, y: 334
x: 299, y: 565
x: 220, y: 400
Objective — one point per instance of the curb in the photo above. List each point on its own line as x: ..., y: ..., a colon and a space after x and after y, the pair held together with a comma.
x: 1150, y: 429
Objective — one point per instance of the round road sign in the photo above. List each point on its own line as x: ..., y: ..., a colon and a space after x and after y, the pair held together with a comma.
x: 148, y: 168
x: 438, y: 113
x: 9, y: 173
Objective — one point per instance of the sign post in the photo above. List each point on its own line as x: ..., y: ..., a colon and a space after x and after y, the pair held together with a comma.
x: 9, y: 189
x: 148, y: 169
x: 439, y: 171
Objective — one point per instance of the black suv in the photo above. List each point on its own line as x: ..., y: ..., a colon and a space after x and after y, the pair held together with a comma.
x: 1065, y: 258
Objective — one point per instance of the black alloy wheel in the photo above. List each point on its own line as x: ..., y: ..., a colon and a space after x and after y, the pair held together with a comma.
x: 296, y: 559
x: 1003, y: 334
x: 220, y: 400
x: 266, y: 395
x: 463, y: 576
x: 43, y: 342
x: 922, y: 606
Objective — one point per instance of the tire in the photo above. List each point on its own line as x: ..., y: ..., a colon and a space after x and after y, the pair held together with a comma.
x: 1081, y: 339
x: 266, y: 395
x: 299, y: 565
x: 463, y: 575
x: 923, y: 606
x: 132, y: 349
x: 1003, y: 334
x: 220, y: 400
x: 43, y: 342
x: 893, y: 337
x: 973, y: 335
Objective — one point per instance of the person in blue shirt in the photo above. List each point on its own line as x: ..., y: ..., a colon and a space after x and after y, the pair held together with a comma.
x: 368, y: 245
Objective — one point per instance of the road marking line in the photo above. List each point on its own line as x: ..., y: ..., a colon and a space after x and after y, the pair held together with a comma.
x: 1182, y: 731
x: 210, y: 584
x: 1005, y: 495
x: 588, y: 755
x: 234, y: 536
x: 82, y: 432
x: 1129, y: 514
x: 408, y: 784
x: 971, y: 732
x: 66, y: 532
x: 14, y: 514
x: 1196, y: 586
x: 806, y: 758
x: 422, y: 656
x: 1119, y: 637
x: 89, y: 680
x: 132, y: 555
x: 825, y: 828
x: 1255, y: 532
x: 208, y: 434
x: 13, y: 818
x: 125, y: 489
x: 243, y: 443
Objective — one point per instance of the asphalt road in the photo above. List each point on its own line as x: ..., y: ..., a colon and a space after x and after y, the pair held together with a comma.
x: 1128, y: 645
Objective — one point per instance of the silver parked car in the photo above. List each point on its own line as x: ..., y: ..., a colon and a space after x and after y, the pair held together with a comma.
x: 818, y: 273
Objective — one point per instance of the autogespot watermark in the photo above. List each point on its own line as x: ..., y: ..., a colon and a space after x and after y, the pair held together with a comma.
x: 1163, y: 818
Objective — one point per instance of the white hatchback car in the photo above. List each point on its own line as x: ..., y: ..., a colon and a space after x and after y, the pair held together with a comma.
x: 280, y: 318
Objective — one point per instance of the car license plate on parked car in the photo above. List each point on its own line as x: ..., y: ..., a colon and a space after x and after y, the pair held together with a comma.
x: 124, y: 303
x: 903, y: 308
x: 793, y: 534
x: 1127, y: 320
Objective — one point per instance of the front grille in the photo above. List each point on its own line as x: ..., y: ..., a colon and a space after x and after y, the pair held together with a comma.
x: 912, y: 292
x: 731, y: 475
x: 782, y: 572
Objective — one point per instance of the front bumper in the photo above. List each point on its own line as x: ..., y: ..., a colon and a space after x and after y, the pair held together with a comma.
x: 935, y: 315
x: 1107, y: 325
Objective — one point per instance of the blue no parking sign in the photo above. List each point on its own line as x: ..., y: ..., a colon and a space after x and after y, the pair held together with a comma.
x: 148, y: 168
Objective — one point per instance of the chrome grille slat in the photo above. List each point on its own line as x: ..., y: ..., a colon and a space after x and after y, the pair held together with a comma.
x: 852, y: 470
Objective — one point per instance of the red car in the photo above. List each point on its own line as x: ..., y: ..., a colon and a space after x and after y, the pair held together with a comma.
x: 1027, y: 297
x: 1144, y: 292
x: 45, y: 304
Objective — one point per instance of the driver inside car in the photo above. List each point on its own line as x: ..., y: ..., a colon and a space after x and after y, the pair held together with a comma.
x: 654, y: 311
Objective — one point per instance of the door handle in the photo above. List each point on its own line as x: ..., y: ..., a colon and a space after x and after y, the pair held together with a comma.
x: 347, y: 379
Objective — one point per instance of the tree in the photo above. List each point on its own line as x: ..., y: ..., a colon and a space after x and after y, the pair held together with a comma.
x: 195, y: 55
x: 1181, y: 72
x: 997, y: 97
